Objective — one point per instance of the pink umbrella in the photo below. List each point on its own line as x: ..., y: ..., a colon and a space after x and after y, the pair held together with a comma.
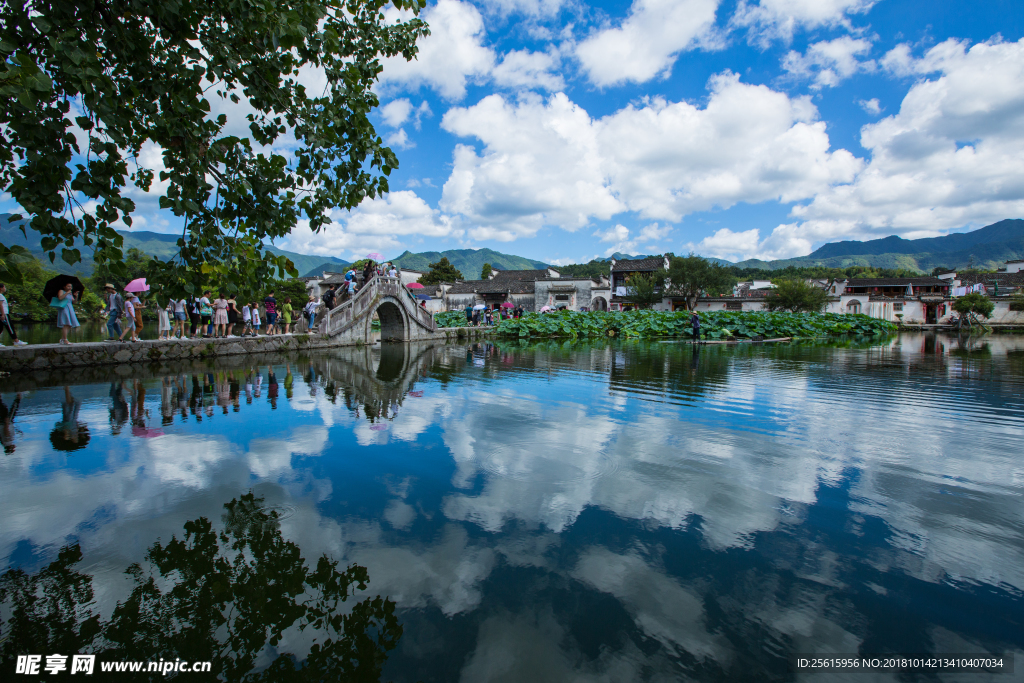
x: 378, y: 427
x: 137, y: 285
x: 508, y: 304
x: 374, y: 255
x: 545, y: 309
x: 414, y: 285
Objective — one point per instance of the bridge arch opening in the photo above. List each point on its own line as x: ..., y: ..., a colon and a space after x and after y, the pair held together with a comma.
x: 392, y: 322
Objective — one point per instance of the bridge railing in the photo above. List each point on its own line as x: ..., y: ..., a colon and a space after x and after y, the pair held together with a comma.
x: 343, y: 316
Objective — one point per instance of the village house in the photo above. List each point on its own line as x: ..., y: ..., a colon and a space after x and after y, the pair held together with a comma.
x: 532, y: 290
x: 919, y: 300
x: 622, y: 270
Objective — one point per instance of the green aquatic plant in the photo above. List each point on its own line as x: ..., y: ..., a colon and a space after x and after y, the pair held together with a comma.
x: 714, y: 325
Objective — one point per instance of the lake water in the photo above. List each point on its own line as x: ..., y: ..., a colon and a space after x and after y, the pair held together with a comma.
x: 551, y: 512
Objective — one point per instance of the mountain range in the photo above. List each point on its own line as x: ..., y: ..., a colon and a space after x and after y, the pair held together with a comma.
x: 985, y: 248
x: 158, y: 244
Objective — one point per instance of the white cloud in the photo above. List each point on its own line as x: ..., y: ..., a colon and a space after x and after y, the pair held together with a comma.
x: 375, y: 225
x: 540, y: 165
x: 726, y: 244
x: 830, y: 62
x: 549, y: 163
x: 749, y: 144
x: 770, y: 20
x: 452, y: 55
x: 646, y: 44
x: 397, y: 112
x: 529, y: 8
x: 400, y: 139
x: 949, y: 158
x: 871, y: 106
x: 648, y: 236
x: 525, y: 69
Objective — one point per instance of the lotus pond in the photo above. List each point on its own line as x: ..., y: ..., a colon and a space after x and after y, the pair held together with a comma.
x: 520, y: 510
x: 653, y: 324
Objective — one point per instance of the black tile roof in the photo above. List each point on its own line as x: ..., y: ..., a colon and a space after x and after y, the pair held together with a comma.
x: 530, y: 275
x: 1004, y: 279
x: 644, y: 264
x: 492, y: 287
x: 897, y: 282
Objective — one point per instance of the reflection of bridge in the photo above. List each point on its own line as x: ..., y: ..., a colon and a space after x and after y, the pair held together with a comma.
x: 377, y: 374
x: 401, y: 316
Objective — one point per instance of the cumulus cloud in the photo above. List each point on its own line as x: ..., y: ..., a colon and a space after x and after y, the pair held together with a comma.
x: 871, y: 106
x: 829, y: 62
x: 452, y: 55
x: 549, y: 163
x: 540, y: 165
x: 645, y: 45
x: 649, y: 236
x: 771, y: 20
x: 525, y: 69
x: 529, y: 8
x: 377, y: 224
x: 949, y: 158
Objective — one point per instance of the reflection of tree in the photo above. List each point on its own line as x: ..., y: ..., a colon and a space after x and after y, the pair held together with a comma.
x: 225, y: 597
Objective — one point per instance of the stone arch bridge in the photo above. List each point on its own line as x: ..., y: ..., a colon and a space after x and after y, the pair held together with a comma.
x: 401, y: 316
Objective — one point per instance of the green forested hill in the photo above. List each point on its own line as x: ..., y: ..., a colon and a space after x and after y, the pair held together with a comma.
x: 156, y: 244
x: 468, y: 261
x: 986, y: 248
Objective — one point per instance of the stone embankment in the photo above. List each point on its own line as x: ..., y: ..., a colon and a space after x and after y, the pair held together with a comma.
x: 54, y: 356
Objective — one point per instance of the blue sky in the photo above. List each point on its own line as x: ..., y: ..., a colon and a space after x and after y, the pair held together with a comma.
x: 563, y: 130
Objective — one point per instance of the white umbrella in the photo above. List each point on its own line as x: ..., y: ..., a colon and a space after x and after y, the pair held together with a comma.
x: 479, y: 307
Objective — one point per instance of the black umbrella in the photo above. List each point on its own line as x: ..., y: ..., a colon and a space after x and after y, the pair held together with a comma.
x: 58, y: 283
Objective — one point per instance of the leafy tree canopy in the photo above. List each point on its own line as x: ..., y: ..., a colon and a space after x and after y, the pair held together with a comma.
x: 691, y: 276
x: 442, y: 271
x: 796, y: 296
x: 643, y: 290
x: 485, y: 271
x: 974, y: 303
x: 86, y: 85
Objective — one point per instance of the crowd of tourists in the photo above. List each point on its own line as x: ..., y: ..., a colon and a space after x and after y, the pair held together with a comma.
x: 217, y: 317
x: 205, y: 316
x: 476, y: 316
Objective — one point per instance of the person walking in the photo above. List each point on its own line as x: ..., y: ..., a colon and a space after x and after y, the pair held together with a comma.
x: 220, y: 316
x: 163, y: 317
x: 206, y: 314
x: 193, y: 315
x: 330, y: 297
x: 180, y: 316
x: 270, y: 304
x: 5, y: 318
x: 66, y: 318
x: 138, y: 306
x: 246, y: 320
x: 255, y: 318
x: 469, y: 315
x: 695, y: 323
x: 112, y: 312
x: 286, y: 315
x: 129, y: 320
x: 232, y: 316
x: 310, y: 312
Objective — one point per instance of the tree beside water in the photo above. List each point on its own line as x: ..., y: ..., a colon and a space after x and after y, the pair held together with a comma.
x: 86, y: 89
x: 224, y: 596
